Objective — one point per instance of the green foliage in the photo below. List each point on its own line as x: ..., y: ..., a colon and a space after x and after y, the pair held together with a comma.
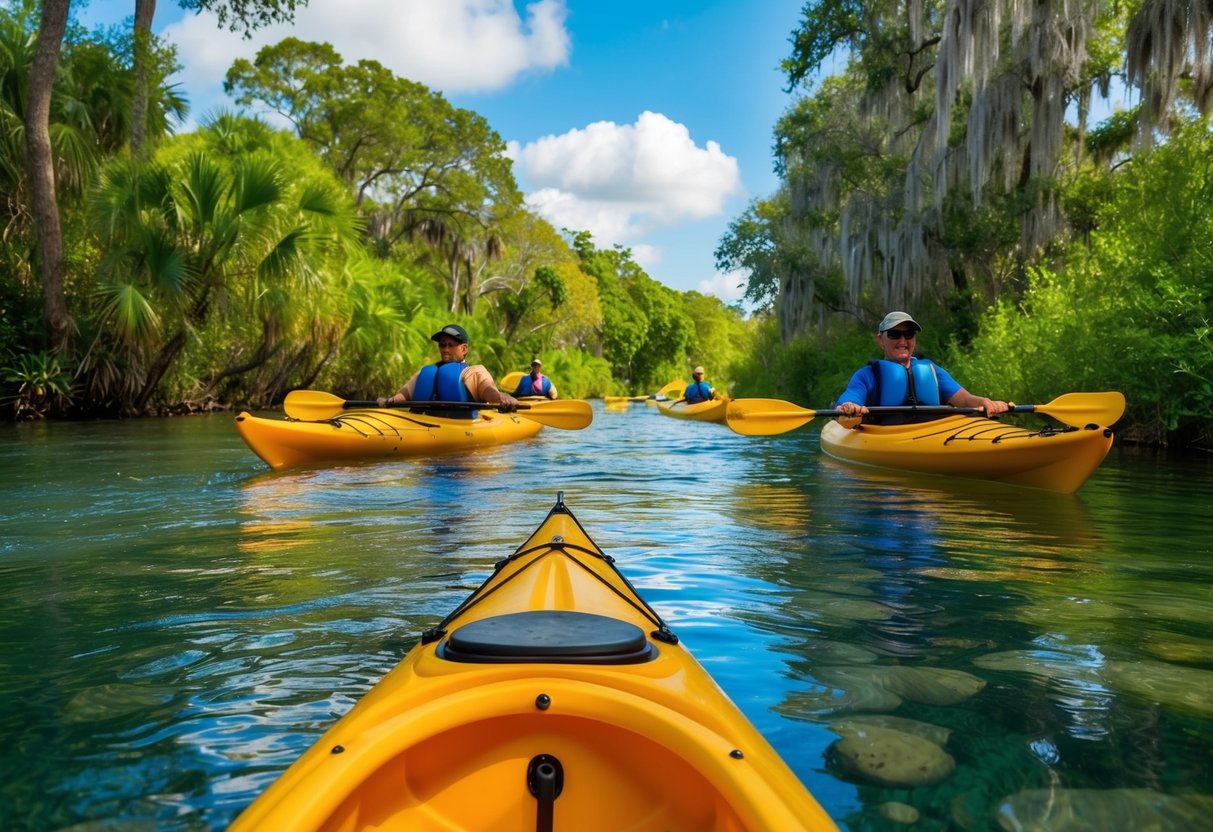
x: 755, y: 243
x: 646, y: 332
x: 826, y: 25
x: 722, y: 338
x: 1114, y: 134
x: 236, y: 218
x: 419, y: 167
x: 41, y: 384
x: 245, y: 16
x: 544, y: 294
x: 1132, y: 313
x: 802, y: 371
x: 577, y: 375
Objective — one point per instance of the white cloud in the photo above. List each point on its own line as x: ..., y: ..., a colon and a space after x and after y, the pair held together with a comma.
x: 619, y: 181
x: 647, y: 256
x: 729, y: 286
x: 450, y: 45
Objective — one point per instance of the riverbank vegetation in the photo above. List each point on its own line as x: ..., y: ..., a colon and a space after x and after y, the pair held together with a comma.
x: 943, y: 158
x: 938, y: 161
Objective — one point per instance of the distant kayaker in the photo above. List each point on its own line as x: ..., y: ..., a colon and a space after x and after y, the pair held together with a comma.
x: 698, y: 390
x: 901, y: 378
x: 536, y: 383
x: 452, y: 379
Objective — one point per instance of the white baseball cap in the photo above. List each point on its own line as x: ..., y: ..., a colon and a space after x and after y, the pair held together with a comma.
x: 894, y: 318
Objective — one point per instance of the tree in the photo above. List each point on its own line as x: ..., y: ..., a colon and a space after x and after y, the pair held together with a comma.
x: 646, y: 333
x: 419, y: 167
x: 229, y: 219
x: 722, y: 337
x: 41, y: 165
x: 949, y: 109
x: 237, y: 15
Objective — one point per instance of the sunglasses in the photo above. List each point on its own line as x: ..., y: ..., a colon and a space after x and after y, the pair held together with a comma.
x: 898, y: 334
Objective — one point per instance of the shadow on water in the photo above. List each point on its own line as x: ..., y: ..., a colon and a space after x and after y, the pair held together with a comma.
x: 179, y: 623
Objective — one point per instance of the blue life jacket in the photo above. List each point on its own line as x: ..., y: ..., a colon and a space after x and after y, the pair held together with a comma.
x: 697, y: 391
x: 526, y: 387
x: 897, y: 386
x: 441, y: 383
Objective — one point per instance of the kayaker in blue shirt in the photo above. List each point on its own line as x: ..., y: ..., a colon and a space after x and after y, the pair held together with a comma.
x: 536, y: 383
x: 901, y: 378
x: 452, y: 379
x: 698, y: 390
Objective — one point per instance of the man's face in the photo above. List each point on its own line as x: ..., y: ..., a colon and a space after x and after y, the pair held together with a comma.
x: 898, y: 343
x: 450, y: 349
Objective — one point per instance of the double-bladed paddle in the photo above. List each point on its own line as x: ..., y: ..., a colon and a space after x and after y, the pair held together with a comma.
x: 318, y: 406
x: 767, y: 417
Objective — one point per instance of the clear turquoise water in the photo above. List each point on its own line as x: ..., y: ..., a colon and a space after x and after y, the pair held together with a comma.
x: 177, y: 623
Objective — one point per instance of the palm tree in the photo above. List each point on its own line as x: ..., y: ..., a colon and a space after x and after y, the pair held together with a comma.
x: 222, y: 227
x: 40, y: 163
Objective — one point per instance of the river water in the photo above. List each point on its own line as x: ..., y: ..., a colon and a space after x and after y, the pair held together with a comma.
x: 178, y: 623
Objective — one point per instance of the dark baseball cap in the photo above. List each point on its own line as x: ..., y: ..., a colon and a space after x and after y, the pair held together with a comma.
x: 452, y: 330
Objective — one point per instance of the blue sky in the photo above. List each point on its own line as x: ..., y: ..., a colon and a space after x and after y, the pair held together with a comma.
x: 647, y: 122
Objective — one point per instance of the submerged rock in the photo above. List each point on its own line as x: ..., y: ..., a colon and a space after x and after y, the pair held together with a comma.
x: 1097, y: 810
x: 1174, y: 686
x: 116, y: 699
x: 928, y: 685
x: 822, y: 704
x: 1047, y: 664
x: 880, y: 688
x: 934, y: 685
x: 925, y: 730
x: 899, y: 812
x: 825, y: 651
x: 892, y: 758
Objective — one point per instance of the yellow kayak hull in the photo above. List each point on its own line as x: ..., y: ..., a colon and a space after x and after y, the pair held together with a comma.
x: 553, y: 672
x: 376, y: 434
x: 970, y: 446
x: 709, y: 411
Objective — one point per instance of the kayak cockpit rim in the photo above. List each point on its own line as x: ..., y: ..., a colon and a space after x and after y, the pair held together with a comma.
x: 622, y: 649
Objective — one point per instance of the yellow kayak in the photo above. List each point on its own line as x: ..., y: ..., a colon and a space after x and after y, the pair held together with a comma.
x: 1057, y: 459
x: 709, y: 411
x: 376, y: 433
x: 553, y: 697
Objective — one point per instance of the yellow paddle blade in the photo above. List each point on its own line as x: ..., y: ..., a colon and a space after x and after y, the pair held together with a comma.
x: 565, y: 414
x: 765, y: 417
x: 510, y: 381
x: 312, y: 405
x: 673, y: 390
x: 1081, y: 409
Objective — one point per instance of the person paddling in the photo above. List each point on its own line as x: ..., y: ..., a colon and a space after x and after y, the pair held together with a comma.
x: 452, y: 379
x: 536, y: 383
x: 698, y: 390
x: 902, y: 378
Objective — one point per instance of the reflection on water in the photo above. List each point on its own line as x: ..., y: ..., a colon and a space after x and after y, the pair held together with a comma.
x: 180, y: 623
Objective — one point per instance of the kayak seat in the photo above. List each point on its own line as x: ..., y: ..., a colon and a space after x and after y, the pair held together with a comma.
x: 548, y: 637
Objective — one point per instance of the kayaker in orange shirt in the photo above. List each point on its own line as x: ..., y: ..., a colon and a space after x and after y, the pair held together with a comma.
x: 473, y: 383
x: 924, y: 382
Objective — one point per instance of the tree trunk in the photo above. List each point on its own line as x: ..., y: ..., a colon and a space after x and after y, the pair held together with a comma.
x: 41, y: 161
x: 160, y: 365
x: 145, y: 10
